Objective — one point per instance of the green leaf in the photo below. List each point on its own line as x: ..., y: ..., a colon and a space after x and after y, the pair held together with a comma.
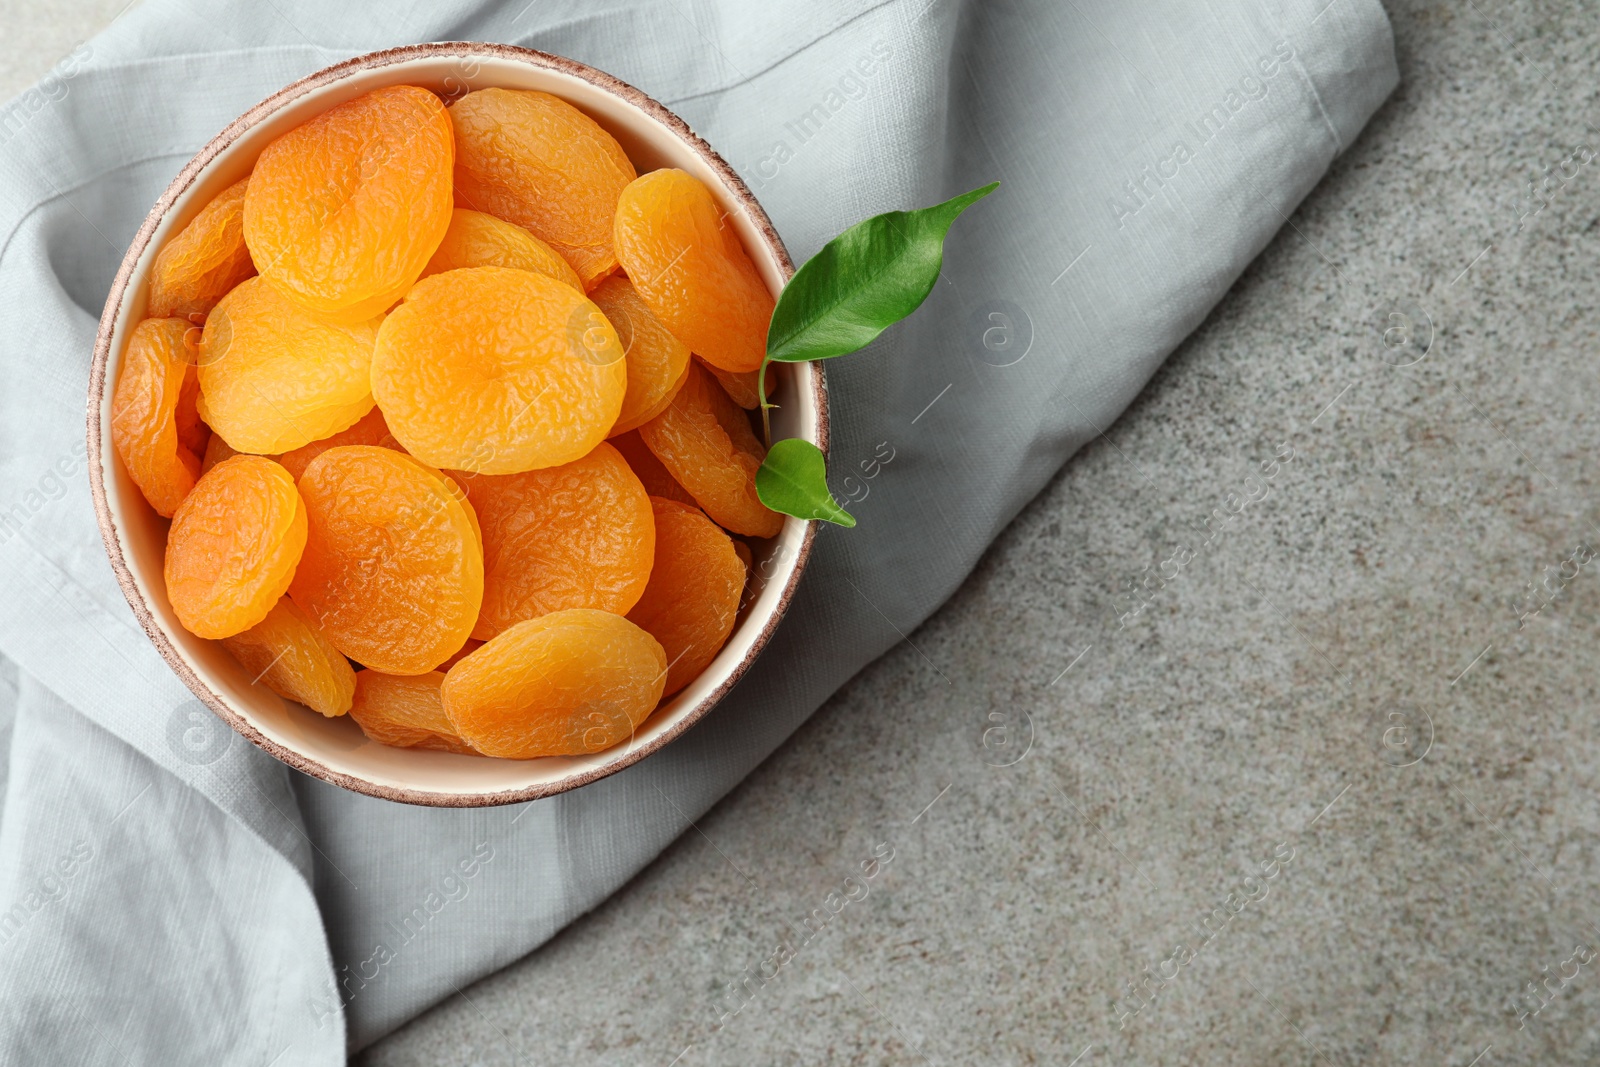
x: 863, y: 281
x: 794, y: 480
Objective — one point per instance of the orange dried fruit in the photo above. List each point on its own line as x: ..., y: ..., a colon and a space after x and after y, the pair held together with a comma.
x: 343, y: 211
x: 741, y: 387
x: 495, y: 371
x: 233, y: 547
x: 565, y: 684
x: 693, y: 596
x: 193, y: 433
x: 370, y: 429
x: 294, y: 659
x: 204, y: 260
x: 665, y: 402
x: 575, y: 536
x: 145, y: 414
x: 704, y: 441
x: 217, y: 450
x: 471, y: 645
x: 475, y: 239
x: 686, y: 261
x: 273, y: 376
x: 392, y: 569
x: 535, y: 160
x: 405, y: 711
x: 455, y: 489
x: 651, y: 474
x: 657, y: 361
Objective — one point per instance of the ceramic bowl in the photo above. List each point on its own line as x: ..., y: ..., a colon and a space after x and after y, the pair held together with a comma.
x: 335, y: 750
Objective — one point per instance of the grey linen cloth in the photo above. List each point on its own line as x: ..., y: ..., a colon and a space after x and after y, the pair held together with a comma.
x: 170, y: 894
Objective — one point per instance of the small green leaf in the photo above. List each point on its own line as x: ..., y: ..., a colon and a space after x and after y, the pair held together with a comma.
x: 863, y: 281
x: 794, y: 481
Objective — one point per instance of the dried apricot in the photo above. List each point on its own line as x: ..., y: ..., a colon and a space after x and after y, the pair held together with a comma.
x: 392, y: 569
x: 741, y: 387
x: 294, y: 659
x: 535, y: 160
x: 343, y: 211
x: 471, y: 645
x: 233, y: 547
x: 665, y: 402
x: 204, y: 260
x: 193, y: 433
x: 454, y: 488
x: 273, y: 376
x: 217, y: 450
x: 575, y: 536
x: 704, y: 441
x: 475, y: 239
x: 657, y: 361
x: 565, y: 684
x: 693, y: 595
x: 687, y: 262
x: 370, y: 429
x: 145, y: 414
x: 495, y: 371
x: 405, y: 711
x: 648, y: 469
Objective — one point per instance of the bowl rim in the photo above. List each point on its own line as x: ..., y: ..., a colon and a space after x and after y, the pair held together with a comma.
x: 111, y: 536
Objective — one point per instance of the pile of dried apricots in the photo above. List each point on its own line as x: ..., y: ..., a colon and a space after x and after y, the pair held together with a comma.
x: 448, y: 406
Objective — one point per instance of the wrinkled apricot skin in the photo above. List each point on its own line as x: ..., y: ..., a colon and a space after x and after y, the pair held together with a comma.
x: 576, y: 536
x: 471, y: 645
x: 217, y: 450
x: 535, y: 160
x: 459, y: 494
x: 497, y: 371
x: 145, y: 414
x: 661, y: 405
x: 273, y: 377
x: 393, y: 569
x: 686, y: 261
x: 193, y: 433
x: 370, y: 429
x: 648, y: 469
x: 657, y: 361
x: 343, y: 212
x: 741, y: 388
x: 202, y: 261
x: 475, y: 239
x: 569, y: 683
x: 704, y: 441
x: 405, y: 711
x: 693, y: 597
x: 234, y: 546
x: 289, y: 656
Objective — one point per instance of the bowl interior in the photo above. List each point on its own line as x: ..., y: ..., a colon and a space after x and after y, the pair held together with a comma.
x: 335, y: 749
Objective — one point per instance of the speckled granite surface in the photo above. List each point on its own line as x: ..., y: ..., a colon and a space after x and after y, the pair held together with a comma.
x: 1322, y: 792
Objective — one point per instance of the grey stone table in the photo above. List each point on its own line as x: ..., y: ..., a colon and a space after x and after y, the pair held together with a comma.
x: 1322, y: 790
